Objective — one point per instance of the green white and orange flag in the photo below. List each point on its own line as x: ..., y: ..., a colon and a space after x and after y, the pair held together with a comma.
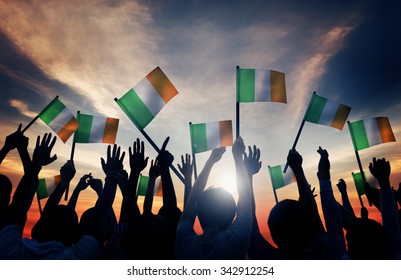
x: 326, y: 112
x: 57, y: 116
x: 260, y: 85
x: 145, y: 100
x: 143, y: 185
x: 96, y: 129
x: 280, y: 179
x: 211, y: 135
x: 369, y: 132
x: 47, y: 186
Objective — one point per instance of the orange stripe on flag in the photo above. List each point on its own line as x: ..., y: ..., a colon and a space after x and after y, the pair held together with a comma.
x: 57, y: 179
x: 68, y: 129
x: 162, y: 84
x: 386, y: 133
x: 160, y: 189
x: 340, y: 117
x: 277, y: 87
x: 226, y: 133
x: 110, y: 131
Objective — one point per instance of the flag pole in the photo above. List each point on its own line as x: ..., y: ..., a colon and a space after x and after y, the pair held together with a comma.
x: 39, y: 205
x: 237, y: 107
x: 297, y: 137
x: 274, y: 190
x: 193, y: 156
x: 37, y: 116
x: 360, y: 198
x: 158, y: 150
x: 71, y: 159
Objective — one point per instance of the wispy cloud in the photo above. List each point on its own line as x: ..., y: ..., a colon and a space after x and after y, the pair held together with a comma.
x: 22, y: 107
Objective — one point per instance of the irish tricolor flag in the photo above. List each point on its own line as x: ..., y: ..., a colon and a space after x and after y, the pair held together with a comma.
x: 326, y: 112
x: 96, y: 129
x: 260, y: 85
x: 57, y: 116
x: 370, y: 132
x: 142, y: 103
x: 211, y: 135
x: 47, y: 186
x: 143, y: 185
x: 280, y: 179
x: 360, y: 185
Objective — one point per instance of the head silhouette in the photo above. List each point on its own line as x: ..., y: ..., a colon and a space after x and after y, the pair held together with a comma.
x: 216, y: 209
x: 367, y: 240
x: 5, y: 190
x: 290, y: 225
x: 57, y: 224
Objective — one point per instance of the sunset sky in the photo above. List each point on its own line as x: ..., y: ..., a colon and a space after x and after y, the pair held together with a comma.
x: 89, y: 52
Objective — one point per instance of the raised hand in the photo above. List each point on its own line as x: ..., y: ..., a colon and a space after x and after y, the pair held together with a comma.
x: 342, y: 186
x: 187, y: 166
x: 154, y: 170
x: 113, y: 166
x: 252, y: 160
x: 96, y: 185
x: 84, y: 181
x: 294, y: 160
x: 15, y: 139
x: 324, y: 165
x: 165, y: 158
x: 380, y: 169
x: 67, y: 171
x: 137, y: 159
x: 41, y: 154
x: 238, y: 148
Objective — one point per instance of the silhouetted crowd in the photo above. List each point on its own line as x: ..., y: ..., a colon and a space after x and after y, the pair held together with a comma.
x: 230, y: 229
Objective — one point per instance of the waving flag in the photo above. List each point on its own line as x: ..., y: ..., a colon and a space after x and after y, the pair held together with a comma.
x: 370, y: 132
x: 57, y: 116
x: 280, y: 179
x: 208, y: 136
x: 47, y: 186
x: 143, y: 185
x: 260, y: 85
x: 96, y: 129
x: 326, y: 112
x: 145, y: 100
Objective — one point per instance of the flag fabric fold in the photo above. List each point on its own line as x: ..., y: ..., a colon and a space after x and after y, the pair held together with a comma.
x: 370, y: 132
x: 57, y: 116
x: 47, y: 186
x: 260, y: 85
x: 280, y: 179
x: 145, y: 100
x: 211, y: 135
x: 96, y: 129
x: 326, y: 112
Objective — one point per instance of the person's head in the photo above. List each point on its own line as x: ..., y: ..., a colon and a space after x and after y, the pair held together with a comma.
x: 290, y: 225
x: 5, y: 190
x: 86, y: 223
x: 216, y: 209
x: 57, y: 224
x: 367, y: 240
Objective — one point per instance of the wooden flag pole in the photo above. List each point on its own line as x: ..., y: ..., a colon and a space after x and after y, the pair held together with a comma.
x: 274, y: 190
x: 193, y: 156
x: 298, y: 135
x: 71, y: 159
x: 237, y: 108
x: 37, y: 116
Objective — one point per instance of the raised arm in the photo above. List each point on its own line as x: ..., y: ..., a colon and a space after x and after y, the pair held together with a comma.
x: 189, y: 213
x: 381, y: 170
x: 295, y: 160
x: 154, y: 172
x: 138, y: 162
x: 186, y: 169
x: 82, y: 185
x: 331, y: 211
x: 342, y: 188
x: 23, y: 196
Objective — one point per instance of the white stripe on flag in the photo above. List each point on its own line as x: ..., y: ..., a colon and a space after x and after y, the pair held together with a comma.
x: 372, y: 132
x: 329, y: 112
x: 156, y: 186
x: 149, y: 96
x: 50, y: 185
x: 213, y: 135
x: 61, y: 120
x: 97, y: 129
x: 288, y: 177
x: 262, y: 85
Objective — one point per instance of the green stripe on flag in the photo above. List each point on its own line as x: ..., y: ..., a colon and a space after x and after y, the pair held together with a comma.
x: 41, y: 191
x: 276, y: 176
x: 198, y: 137
x: 315, y: 109
x: 246, y: 85
x: 358, y: 135
x: 135, y: 109
x: 82, y: 134
x: 143, y: 185
x: 51, y: 111
x: 359, y: 184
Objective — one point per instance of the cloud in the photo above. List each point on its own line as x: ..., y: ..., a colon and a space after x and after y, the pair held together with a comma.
x: 22, y: 107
